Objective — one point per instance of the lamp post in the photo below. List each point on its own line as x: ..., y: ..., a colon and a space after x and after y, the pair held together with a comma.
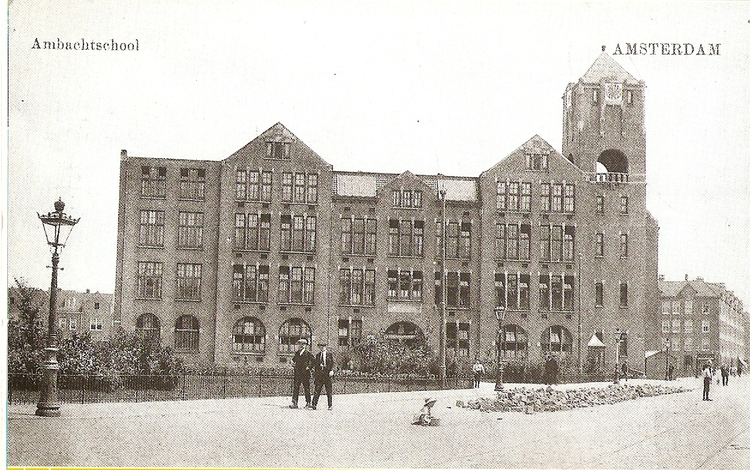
x: 500, y: 315
x: 618, y: 337
x: 60, y: 226
x: 667, y: 344
x: 443, y: 290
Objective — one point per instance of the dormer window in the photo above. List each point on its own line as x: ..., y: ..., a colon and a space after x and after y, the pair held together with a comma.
x: 278, y: 150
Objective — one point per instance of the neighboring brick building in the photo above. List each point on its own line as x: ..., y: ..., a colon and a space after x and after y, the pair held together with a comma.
x: 702, y: 321
x: 233, y: 261
x: 84, y: 312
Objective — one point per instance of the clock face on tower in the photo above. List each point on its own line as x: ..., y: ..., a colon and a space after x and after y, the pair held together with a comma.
x: 613, y: 93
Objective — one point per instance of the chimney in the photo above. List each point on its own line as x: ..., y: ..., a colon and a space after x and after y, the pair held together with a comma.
x: 686, y: 277
x: 661, y: 277
x: 88, y: 291
x: 123, y: 154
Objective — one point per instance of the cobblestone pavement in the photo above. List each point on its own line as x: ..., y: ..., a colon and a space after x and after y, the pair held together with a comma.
x: 374, y: 430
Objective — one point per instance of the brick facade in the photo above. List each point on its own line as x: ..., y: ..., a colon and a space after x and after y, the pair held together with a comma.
x: 568, y: 250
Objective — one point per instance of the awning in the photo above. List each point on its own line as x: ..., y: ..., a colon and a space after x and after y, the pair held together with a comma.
x: 595, y: 342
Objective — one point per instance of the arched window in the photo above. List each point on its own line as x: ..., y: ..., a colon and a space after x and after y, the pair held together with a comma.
x: 612, y: 166
x: 557, y: 338
x: 290, y: 332
x: 249, y: 335
x: 186, y: 333
x: 514, y: 341
x: 148, y: 326
x: 403, y: 331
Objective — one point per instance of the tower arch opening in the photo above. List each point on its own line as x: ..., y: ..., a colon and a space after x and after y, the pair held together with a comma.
x: 612, y: 166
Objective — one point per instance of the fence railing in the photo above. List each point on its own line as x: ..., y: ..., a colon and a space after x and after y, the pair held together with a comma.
x: 24, y: 388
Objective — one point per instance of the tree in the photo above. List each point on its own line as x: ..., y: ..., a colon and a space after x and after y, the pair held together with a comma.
x: 28, y: 328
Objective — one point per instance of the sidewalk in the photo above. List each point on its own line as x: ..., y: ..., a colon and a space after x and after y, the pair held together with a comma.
x: 374, y: 430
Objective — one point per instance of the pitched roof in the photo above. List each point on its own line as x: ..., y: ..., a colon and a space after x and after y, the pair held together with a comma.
x: 605, y: 67
x: 674, y: 288
x: 360, y: 184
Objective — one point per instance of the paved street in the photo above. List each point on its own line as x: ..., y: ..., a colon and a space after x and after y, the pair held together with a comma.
x: 374, y: 430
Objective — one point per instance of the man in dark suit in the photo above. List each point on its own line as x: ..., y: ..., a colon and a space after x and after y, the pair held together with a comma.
x: 303, y: 364
x: 323, y: 375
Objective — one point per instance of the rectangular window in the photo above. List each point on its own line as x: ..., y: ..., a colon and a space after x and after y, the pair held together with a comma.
x: 499, y: 241
x: 464, y: 249
x: 279, y: 150
x: 285, y: 234
x: 393, y: 245
x: 501, y: 201
x: 457, y: 338
x: 500, y: 289
x: 536, y: 161
x: 405, y: 237
x: 192, y: 183
x: 623, y: 245
x: 525, y: 197
x: 544, y: 242
x: 406, y: 198
x: 309, y: 287
x: 152, y: 228
x: 665, y: 327
x: 511, y: 283
x: 676, y: 326
x: 556, y: 243
x: 286, y: 187
x: 298, y: 232
x: 346, y: 236
x: 189, y: 281
x: 523, y: 292
x: 665, y: 306
x: 556, y: 282
x: 688, y: 326
x: 350, y: 332
x: 451, y: 248
x: 190, y: 230
x: 392, y: 284
x: 240, y: 188
x: 283, y: 294
x: 250, y: 283
x: 599, y: 245
x: 417, y: 199
x: 253, y: 185
x: 688, y: 307
x: 705, y: 326
x: 545, y: 197
x: 404, y: 285
x: 95, y: 324
x: 73, y: 323
x: 511, y: 247
x: 557, y: 190
x: 266, y: 186
x: 312, y: 188
x: 396, y: 198
x: 311, y: 227
x: 706, y: 309
x: 568, y: 293
x: 299, y: 188
x: 676, y: 307
x: 418, y: 240
x: 600, y: 204
x: 524, y: 243
x: 623, y: 294
x: 569, y: 243
x: 296, y: 284
x: 513, y: 200
x: 149, y: 279
x: 544, y: 293
x: 570, y: 198
x: 623, y: 204
x: 599, y: 294
x: 464, y: 292
x: 688, y: 344
x: 154, y: 182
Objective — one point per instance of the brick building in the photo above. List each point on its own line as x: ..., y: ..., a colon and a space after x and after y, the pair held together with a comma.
x: 700, y: 321
x: 232, y: 261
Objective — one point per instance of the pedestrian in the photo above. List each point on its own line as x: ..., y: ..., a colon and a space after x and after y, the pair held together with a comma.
x: 739, y: 370
x: 478, y: 369
x: 625, y: 370
x: 670, y: 375
x: 424, y: 417
x: 724, y: 375
x: 303, y: 364
x: 547, y: 376
x: 323, y: 375
x: 554, y: 367
x: 707, y: 376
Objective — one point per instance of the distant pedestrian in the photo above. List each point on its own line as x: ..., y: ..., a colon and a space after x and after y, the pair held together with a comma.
x: 554, y: 367
x: 478, y: 369
x: 739, y: 370
x: 547, y: 376
x: 707, y: 376
x: 625, y: 370
x: 323, y: 375
x: 724, y: 375
x: 670, y: 374
x: 303, y: 364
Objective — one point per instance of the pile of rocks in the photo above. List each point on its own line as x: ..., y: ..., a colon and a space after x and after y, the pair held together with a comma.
x: 528, y: 400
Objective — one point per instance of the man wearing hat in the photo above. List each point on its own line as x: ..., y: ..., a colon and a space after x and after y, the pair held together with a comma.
x: 303, y: 364
x: 424, y: 417
x: 323, y: 375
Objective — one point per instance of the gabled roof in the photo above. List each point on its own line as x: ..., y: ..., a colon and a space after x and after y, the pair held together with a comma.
x: 605, y: 67
x: 675, y: 288
x: 279, y: 132
x: 535, y: 145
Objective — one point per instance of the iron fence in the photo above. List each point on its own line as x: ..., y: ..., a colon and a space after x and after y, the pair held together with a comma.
x: 24, y: 388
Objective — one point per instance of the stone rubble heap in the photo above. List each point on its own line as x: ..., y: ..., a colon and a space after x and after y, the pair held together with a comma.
x: 530, y: 400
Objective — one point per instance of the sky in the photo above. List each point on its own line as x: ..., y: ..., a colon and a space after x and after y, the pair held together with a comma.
x: 432, y: 87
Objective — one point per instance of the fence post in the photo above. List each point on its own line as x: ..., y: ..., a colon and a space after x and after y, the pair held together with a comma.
x: 184, y: 379
x: 83, y: 389
x: 224, y: 385
x: 260, y: 382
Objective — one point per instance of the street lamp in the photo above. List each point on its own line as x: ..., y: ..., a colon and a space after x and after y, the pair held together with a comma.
x: 619, y: 337
x: 500, y: 315
x: 667, y: 343
x: 60, y: 227
x: 443, y: 291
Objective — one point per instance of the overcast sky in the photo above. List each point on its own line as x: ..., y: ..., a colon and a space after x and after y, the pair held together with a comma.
x: 449, y: 87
